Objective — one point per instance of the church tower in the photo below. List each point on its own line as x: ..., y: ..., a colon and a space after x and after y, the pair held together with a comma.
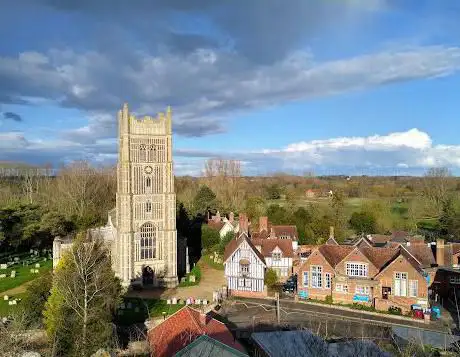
x: 146, y: 243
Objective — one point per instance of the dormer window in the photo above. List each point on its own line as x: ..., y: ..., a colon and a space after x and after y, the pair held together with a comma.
x: 276, y: 256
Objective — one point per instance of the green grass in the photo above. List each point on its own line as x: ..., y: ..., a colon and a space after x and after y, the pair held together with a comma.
x: 23, y: 274
x: 5, y: 309
x: 147, y: 308
x: 205, y: 258
x: 195, y: 271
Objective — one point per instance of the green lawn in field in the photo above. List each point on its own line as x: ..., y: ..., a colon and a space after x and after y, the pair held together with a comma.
x: 23, y: 274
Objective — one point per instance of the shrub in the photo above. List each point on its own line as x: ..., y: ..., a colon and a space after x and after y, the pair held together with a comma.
x: 209, y: 237
x: 329, y: 299
x: 225, y: 240
x: 271, y: 278
x: 394, y: 310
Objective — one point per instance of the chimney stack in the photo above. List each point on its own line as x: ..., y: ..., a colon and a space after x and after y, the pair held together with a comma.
x: 272, y: 234
x: 331, y: 232
x: 263, y: 224
x: 216, y: 218
x: 231, y: 217
x: 244, y: 223
x: 440, y: 252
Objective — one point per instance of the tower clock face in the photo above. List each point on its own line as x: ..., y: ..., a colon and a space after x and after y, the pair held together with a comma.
x: 148, y: 169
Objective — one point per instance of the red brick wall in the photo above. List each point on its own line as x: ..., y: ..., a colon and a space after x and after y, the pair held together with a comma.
x: 316, y: 258
x: 358, y: 257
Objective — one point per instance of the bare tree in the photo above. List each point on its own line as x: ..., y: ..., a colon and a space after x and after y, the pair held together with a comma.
x: 89, y: 290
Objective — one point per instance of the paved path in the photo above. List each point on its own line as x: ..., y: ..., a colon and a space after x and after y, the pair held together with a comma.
x: 17, y: 290
x: 211, y: 279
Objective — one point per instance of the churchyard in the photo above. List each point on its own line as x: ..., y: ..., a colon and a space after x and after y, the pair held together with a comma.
x: 16, y: 270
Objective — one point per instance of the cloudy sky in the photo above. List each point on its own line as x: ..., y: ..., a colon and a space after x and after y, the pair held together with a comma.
x: 339, y: 86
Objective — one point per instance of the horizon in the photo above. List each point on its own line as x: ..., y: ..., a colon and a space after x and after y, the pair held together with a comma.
x: 338, y: 87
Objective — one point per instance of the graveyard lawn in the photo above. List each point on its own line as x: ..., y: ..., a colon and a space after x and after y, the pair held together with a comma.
x: 6, y: 309
x: 211, y: 263
x: 23, y: 274
x: 137, y: 310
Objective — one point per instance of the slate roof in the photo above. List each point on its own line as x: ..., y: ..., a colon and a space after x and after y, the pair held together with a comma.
x: 183, y: 327
x: 205, y: 346
x: 300, y: 343
x: 233, y: 245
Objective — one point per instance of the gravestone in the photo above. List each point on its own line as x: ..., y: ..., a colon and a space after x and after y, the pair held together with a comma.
x: 2, y: 276
x: 13, y: 273
x: 191, y: 278
x: 5, y: 297
x: 168, y: 302
x: 129, y: 305
x: 16, y: 259
x: 174, y: 301
x: 37, y: 265
x: 205, y: 302
x: 3, y: 266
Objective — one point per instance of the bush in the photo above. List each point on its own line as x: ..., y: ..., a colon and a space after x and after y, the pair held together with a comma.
x: 394, y: 310
x: 271, y: 278
x: 223, y: 243
x: 329, y: 299
x: 209, y: 237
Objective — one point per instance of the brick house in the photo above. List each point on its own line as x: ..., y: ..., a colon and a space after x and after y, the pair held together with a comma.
x: 380, y: 277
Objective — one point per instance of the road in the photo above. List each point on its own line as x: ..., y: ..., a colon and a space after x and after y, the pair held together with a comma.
x: 260, y: 314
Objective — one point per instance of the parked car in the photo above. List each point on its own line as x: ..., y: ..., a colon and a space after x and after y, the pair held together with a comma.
x: 290, y: 286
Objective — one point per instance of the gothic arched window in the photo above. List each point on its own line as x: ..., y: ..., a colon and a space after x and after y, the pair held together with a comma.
x: 148, y: 206
x: 147, y: 244
x: 148, y: 182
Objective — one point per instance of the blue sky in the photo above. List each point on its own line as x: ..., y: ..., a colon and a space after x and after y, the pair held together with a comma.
x: 350, y: 86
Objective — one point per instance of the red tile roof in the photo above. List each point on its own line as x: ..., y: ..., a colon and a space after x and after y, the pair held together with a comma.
x: 216, y: 225
x: 334, y: 254
x: 379, y: 256
x: 290, y: 231
x: 422, y: 253
x: 268, y: 245
x: 183, y: 327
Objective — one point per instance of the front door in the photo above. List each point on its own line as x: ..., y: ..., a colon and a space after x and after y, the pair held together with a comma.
x: 147, y: 276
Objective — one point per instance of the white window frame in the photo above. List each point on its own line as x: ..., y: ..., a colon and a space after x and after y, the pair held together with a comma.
x: 357, y: 269
x: 362, y: 290
x: 327, y: 280
x: 413, y: 288
x: 400, y: 283
x: 305, y: 279
x: 341, y: 288
x: 276, y: 256
x: 316, y: 276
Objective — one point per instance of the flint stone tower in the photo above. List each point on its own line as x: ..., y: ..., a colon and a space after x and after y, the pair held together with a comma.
x: 146, y: 245
x: 141, y: 231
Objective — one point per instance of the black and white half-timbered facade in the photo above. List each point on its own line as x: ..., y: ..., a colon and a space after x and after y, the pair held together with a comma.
x: 244, y: 267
